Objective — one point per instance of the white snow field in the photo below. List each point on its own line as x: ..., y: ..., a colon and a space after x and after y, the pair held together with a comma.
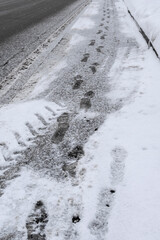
x: 147, y: 14
x: 116, y: 188
x: 136, y: 129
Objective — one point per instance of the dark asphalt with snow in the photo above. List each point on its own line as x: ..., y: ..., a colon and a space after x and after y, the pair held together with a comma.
x: 16, y: 15
x: 24, y: 25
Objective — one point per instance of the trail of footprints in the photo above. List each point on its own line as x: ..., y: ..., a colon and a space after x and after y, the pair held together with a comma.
x: 38, y: 218
x: 103, y: 34
x: 99, y: 226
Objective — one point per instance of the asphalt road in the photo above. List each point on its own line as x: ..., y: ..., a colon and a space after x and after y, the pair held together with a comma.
x: 24, y: 25
x: 16, y: 15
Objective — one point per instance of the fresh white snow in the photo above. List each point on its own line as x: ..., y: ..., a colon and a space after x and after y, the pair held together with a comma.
x: 136, y: 128
x: 147, y: 14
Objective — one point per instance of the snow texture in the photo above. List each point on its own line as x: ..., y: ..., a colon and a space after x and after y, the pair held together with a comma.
x: 135, y: 128
x: 147, y: 14
x: 115, y: 192
x: 21, y: 122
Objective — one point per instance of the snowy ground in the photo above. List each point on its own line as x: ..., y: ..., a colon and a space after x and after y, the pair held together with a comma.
x: 80, y: 140
x: 147, y: 14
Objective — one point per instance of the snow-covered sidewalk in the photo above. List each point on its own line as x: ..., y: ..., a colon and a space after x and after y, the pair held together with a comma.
x: 147, y: 14
x: 126, y: 148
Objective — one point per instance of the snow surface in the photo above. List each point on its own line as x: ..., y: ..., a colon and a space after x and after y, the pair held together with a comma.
x: 147, y: 14
x: 14, y: 118
x: 43, y: 79
x: 122, y: 155
x: 83, y: 23
x: 135, y: 128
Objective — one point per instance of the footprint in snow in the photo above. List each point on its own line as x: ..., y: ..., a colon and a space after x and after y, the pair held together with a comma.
x: 36, y: 222
x: 85, y: 57
x: 92, y: 42
x: 119, y: 155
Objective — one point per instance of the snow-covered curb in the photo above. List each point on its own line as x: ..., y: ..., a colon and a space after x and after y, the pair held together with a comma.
x: 147, y: 15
